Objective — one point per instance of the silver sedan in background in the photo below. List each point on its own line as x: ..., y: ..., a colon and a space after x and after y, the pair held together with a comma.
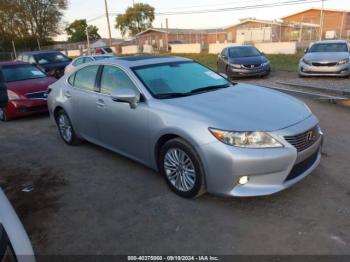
x: 326, y: 58
x: 85, y: 59
x: 202, y: 132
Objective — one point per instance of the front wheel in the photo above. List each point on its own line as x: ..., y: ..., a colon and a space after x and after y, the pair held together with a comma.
x: 182, y: 169
x: 65, y: 128
x: 3, y: 115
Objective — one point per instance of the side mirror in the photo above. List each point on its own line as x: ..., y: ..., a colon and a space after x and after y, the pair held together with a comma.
x: 126, y: 95
x: 306, y: 50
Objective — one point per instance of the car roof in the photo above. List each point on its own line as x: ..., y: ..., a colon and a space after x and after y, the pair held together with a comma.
x: 142, y: 60
x: 39, y: 52
x: 8, y: 63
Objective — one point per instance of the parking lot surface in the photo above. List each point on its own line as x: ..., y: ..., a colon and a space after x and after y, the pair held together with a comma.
x: 88, y: 200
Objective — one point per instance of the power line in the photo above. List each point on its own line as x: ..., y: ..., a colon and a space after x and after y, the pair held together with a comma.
x: 227, y: 9
x: 217, y: 4
x: 247, y: 7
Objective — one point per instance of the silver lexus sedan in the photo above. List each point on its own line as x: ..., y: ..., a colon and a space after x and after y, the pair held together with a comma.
x: 326, y: 58
x: 200, y: 131
x: 14, y: 242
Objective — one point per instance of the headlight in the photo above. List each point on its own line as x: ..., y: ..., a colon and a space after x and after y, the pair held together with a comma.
x: 266, y: 63
x: 306, y: 62
x: 12, y: 95
x: 246, y: 139
x: 343, y: 61
x: 235, y: 65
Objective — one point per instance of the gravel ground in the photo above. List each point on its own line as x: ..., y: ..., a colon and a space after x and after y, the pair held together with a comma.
x: 88, y: 200
x: 293, y: 78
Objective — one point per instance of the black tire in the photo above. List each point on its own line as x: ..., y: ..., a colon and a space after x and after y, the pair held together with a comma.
x: 72, y: 139
x: 228, y: 74
x: 199, y: 182
x: 3, y: 115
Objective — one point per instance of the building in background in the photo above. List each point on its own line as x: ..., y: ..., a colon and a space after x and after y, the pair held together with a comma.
x: 336, y: 23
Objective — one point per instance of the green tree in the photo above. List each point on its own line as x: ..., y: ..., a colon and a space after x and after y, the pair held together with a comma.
x: 76, y: 31
x: 136, y: 19
x: 28, y: 20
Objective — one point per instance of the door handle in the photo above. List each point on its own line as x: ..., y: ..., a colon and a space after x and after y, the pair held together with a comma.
x: 100, y: 103
x: 67, y: 94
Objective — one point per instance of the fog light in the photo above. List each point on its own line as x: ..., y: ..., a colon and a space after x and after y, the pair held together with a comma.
x: 243, y: 180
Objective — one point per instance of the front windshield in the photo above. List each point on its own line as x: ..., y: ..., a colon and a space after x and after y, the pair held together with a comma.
x: 49, y: 58
x: 178, y: 78
x: 21, y: 72
x: 329, y: 47
x: 243, y: 51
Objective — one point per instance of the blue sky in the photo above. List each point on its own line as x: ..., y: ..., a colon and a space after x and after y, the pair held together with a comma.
x: 89, y: 9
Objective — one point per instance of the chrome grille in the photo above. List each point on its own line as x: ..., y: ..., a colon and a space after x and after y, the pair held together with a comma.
x: 253, y: 66
x: 304, y: 140
x: 324, y: 64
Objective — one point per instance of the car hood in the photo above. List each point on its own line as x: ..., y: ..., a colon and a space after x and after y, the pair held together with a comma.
x: 30, y: 86
x: 248, y: 60
x: 241, y: 107
x: 326, y: 57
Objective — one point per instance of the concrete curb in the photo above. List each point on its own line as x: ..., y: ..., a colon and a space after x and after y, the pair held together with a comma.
x: 322, y: 89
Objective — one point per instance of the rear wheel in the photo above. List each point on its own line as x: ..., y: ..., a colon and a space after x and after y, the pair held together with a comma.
x: 3, y: 115
x: 182, y: 169
x: 65, y: 128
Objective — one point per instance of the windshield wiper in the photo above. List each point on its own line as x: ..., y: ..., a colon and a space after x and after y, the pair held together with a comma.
x: 171, y: 95
x: 208, y: 88
x: 194, y: 91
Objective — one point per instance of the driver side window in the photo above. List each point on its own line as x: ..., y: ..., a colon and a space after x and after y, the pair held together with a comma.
x: 113, y: 78
x: 79, y: 61
x: 223, y: 52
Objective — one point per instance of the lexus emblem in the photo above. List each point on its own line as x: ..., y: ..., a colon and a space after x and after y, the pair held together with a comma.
x: 251, y: 66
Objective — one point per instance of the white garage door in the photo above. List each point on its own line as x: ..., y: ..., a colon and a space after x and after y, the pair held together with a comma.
x: 255, y: 35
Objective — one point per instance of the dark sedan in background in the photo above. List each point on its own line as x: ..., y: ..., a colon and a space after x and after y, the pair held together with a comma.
x: 52, y: 63
x: 26, y: 88
x: 243, y: 61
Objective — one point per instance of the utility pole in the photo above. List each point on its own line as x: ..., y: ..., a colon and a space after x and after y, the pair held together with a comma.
x: 88, y: 41
x: 108, y: 24
x: 301, y: 29
x: 167, y: 34
x: 14, y: 49
x: 321, y: 19
x: 38, y: 42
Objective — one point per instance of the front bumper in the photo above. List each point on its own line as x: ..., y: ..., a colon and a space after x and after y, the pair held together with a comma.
x: 24, y: 107
x: 310, y: 70
x: 269, y: 170
x: 243, y: 72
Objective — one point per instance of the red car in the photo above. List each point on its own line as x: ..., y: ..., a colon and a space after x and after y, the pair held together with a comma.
x: 26, y: 88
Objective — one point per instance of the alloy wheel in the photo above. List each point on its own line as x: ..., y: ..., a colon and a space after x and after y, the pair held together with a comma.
x: 65, y: 127
x: 179, y: 169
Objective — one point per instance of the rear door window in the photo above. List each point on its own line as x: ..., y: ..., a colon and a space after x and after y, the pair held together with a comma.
x: 85, y: 78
